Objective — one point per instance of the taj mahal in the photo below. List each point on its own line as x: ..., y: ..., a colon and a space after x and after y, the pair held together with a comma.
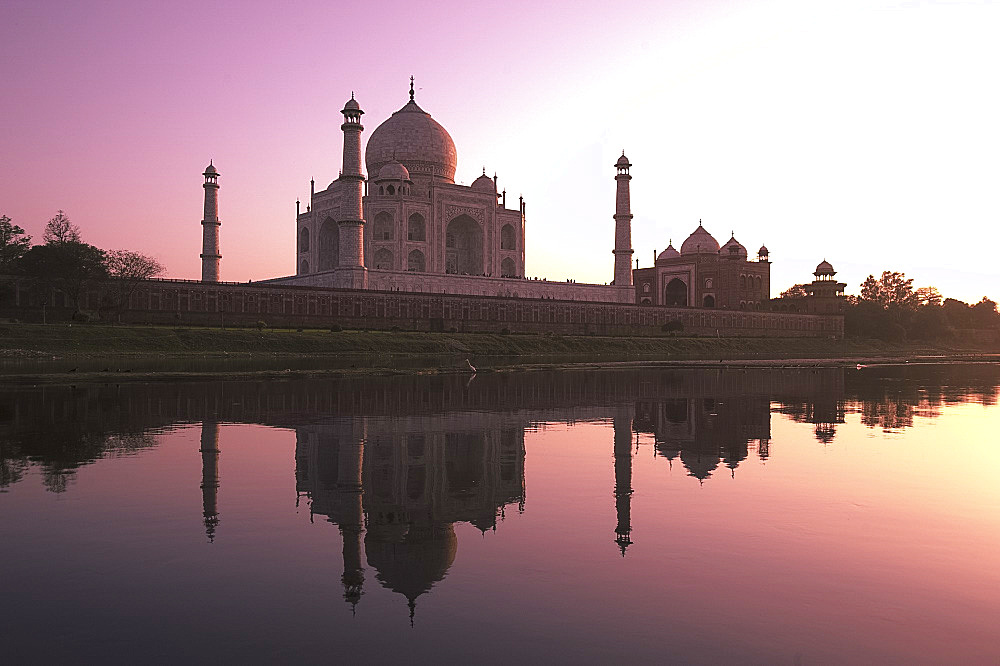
x: 409, y: 227
x: 405, y: 245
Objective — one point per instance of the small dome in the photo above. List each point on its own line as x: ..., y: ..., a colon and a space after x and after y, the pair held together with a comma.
x: 700, y: 241
x: 393, y: 171
x: 352, y: 104
x: 825, y: 268
x: 763, y: 251
x: 622, y: 161
x: 484, y: 183
x: 670, y: 253
x: 733, y: 248
x: 210, y: 169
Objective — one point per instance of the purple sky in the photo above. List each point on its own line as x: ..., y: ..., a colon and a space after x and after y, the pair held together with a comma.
x: 861, y: 132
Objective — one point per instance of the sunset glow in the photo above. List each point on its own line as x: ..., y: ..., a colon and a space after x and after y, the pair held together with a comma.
x: 860, y: 132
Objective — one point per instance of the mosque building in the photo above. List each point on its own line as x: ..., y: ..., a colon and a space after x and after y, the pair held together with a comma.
x: 703, y: 274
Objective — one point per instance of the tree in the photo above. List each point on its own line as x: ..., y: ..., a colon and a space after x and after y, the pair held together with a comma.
x: 13, y: 244
x: 127, y: 269
x: 928, y: 296
x: 60, y: 230
x: 795, y: 291
x: 67, y: 266
x: 891, y: 291
x: 984, y: 313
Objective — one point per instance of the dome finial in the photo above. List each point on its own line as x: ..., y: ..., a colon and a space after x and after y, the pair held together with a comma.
x: 411, y: 88
x: 484, y: 170
x: 352, y: 94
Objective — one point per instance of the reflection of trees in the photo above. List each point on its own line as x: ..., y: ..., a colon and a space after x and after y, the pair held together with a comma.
x: 891, y: 397
x: 60, y: 451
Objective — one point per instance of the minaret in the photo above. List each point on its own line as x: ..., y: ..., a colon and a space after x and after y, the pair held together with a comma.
x: 623, y: 476
x: 351, y: 272
x: 210, y: 257
x: 623, y: 225
x: 210, y: 476
x: 350, y: 461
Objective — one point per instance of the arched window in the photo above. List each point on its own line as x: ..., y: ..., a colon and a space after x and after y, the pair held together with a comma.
x: 415, y: 262
x: 381, y: 189
x: 708, y: 283
x: 507, y: 239
x: 415, y: 230
x: 382, y: 226
x: 383, y: 259
x: 757, y: 283
x: 743, y: 281
x: 507, y: 268
x: 645, y: 288
x: 304, y: 268
x: 303, y: 239
x: 329, y: 245
x: 709, y: 301
x: 391, y: 190
x: 676, y: 294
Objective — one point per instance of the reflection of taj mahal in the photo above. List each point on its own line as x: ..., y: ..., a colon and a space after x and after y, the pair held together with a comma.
x: 405, y: 492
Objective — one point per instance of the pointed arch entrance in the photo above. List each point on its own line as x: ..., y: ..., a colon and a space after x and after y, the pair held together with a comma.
x: 464, y: 246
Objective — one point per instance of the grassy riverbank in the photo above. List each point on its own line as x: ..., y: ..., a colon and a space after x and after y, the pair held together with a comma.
x: 75, y: 341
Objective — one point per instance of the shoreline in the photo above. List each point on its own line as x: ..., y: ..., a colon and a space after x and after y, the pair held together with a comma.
x: 120, y: 376
x: 60, y: 353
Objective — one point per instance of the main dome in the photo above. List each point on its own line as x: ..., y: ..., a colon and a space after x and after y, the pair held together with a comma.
x: 412, y: 137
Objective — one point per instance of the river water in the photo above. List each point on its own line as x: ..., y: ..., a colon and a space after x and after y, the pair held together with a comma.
x: 811, y: 515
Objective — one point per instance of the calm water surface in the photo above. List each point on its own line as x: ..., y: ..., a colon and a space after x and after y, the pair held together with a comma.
x: 778, y: 516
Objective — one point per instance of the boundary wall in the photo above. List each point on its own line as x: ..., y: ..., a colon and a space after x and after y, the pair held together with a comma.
x: 190, y: 302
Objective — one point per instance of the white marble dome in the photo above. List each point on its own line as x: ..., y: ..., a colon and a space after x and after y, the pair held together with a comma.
x: 393, y: 171
x: 484, y: 183
x: 412, y: 137
x: 700, y: 242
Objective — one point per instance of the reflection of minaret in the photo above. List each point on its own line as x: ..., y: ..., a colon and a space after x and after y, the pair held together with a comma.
x: 623, y: 476
x: 351, y: 456
x: 210, y: 476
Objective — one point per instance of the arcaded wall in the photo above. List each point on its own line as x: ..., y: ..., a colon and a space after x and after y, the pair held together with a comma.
x: 192, y: 302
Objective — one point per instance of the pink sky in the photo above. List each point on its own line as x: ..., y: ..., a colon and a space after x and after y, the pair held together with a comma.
x: 860, y: 132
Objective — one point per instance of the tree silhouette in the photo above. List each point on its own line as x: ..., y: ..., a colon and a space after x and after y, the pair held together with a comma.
x: 13, y: 244
x: 60, y: 230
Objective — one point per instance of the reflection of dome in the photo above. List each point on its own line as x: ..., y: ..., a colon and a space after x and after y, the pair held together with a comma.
x: 733, y: 248
x: 699, y: 241
x: 699, y: 465
x: 669, y: 253
x: 393, y: 171
x: 412, y: 137
x: 412, y: 565
x: 483, y: 183
x: 825, y: 268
